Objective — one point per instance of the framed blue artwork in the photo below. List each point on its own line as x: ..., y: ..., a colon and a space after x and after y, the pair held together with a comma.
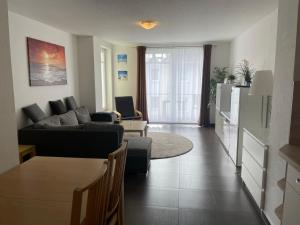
x: 122, y: 75
x: 122, y: 58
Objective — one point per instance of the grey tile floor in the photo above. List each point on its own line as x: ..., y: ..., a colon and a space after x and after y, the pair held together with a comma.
x: 201, y: 187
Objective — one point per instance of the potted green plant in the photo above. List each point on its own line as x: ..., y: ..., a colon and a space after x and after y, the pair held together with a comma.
x: 245, y: 71
x: 231, y: 78
x: 219, y: 75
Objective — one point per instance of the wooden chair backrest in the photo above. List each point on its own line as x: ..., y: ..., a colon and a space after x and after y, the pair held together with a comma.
x: 117, y: 161
x: 93, y: 210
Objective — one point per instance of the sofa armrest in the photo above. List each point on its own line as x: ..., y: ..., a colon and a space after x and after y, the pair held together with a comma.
x: 139, y: 113
x: 102, y: 117
x: 118, y: 115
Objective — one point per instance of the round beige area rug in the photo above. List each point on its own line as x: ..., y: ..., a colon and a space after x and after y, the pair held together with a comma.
x: 166, y: 145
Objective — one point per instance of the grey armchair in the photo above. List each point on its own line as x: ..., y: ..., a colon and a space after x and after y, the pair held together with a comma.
x: 125, y: 109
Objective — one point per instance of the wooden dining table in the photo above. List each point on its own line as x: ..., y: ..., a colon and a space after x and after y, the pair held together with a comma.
x: 40, y: 191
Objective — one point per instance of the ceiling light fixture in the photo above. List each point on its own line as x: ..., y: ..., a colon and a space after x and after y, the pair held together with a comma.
x: 147, y: 24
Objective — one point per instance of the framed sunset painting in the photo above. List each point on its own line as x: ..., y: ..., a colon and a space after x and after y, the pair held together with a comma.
x: 46, y: 62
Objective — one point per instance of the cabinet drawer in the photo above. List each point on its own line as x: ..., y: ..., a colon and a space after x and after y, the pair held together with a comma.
x: 254, y: 168
x: 291, y: 215
x: 293, y: 178
x: 256, y: 150
x: 256, y: 192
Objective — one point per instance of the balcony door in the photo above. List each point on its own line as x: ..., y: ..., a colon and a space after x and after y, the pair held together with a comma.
x: 174, y: 78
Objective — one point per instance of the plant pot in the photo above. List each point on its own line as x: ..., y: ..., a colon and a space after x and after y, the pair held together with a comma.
x: 247, y: 83
x: 212, y: 113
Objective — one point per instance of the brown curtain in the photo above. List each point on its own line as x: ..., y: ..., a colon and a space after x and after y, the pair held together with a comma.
x: 204, y: 113
x: 141, y: 91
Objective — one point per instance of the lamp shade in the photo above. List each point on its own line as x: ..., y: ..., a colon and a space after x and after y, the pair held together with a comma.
x: 262, y: 83
x: 147, y: 24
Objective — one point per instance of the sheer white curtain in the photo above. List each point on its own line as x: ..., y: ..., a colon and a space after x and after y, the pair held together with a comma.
x: 174, y: 78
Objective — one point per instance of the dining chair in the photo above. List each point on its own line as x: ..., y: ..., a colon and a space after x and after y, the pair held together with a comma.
x: 89, y: 205
x: 116, y: 161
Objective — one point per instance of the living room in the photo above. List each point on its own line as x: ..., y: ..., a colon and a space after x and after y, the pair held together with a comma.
x: 183, y: 169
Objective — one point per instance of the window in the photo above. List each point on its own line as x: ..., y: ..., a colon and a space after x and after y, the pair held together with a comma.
x: 174, y: 79
x: 103, y: 58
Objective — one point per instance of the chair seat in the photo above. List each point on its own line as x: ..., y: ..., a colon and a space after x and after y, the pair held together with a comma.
x: 132, y: 118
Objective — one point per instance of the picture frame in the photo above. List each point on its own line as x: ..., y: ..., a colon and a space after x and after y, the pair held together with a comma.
x: 46, y: 63
x: 123, y: 75
x: 122, y: 58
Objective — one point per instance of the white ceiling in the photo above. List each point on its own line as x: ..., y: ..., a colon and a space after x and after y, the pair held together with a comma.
x: 180, y: 21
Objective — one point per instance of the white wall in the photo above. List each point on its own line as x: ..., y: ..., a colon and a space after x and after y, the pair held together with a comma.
x: 98, y: 44
x: 109, y: 74
x: 288, y: 20
x: 271, y: 44
x: 8, y: 132
x: 20, y: 28
x: 87, y: 72
x: 89, y: 66
x: 220, y: 55
x: 109, y: 78
x: 125, y: 87
x: 257, y: 44
x: 98, y: 78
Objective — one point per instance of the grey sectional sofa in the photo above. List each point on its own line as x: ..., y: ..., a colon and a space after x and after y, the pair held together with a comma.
x: 76, y: 133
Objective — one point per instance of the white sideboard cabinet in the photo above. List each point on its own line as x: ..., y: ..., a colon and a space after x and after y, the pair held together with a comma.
x: 291, y: 206
x: 234, y: 110
x: 254, y: 163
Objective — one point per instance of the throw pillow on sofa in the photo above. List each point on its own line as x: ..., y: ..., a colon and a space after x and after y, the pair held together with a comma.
x: 71, y: 103
x: 34, y: 112
x: 58, y: 107
x: 52, y: 121
x: 68, y: 118
x: 83, y: 115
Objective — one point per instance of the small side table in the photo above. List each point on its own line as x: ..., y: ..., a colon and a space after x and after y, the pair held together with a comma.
x: 26, y: 150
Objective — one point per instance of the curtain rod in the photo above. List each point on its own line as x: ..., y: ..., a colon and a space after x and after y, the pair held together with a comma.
x: 178, y: 46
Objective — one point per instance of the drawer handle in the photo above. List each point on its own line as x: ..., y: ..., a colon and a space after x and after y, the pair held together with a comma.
x: 298, y: 181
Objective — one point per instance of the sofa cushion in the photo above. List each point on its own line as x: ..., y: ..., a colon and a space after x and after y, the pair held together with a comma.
x: 58, y: 107
x: 34, y: 112
x: 139, y: 146
x: 105, y: 126
x: 52, y: 121
x: 71, y: 103
x: 138, y: 155
x: 66, y: 127
x: 83, y: 115
x: 68, y: 118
